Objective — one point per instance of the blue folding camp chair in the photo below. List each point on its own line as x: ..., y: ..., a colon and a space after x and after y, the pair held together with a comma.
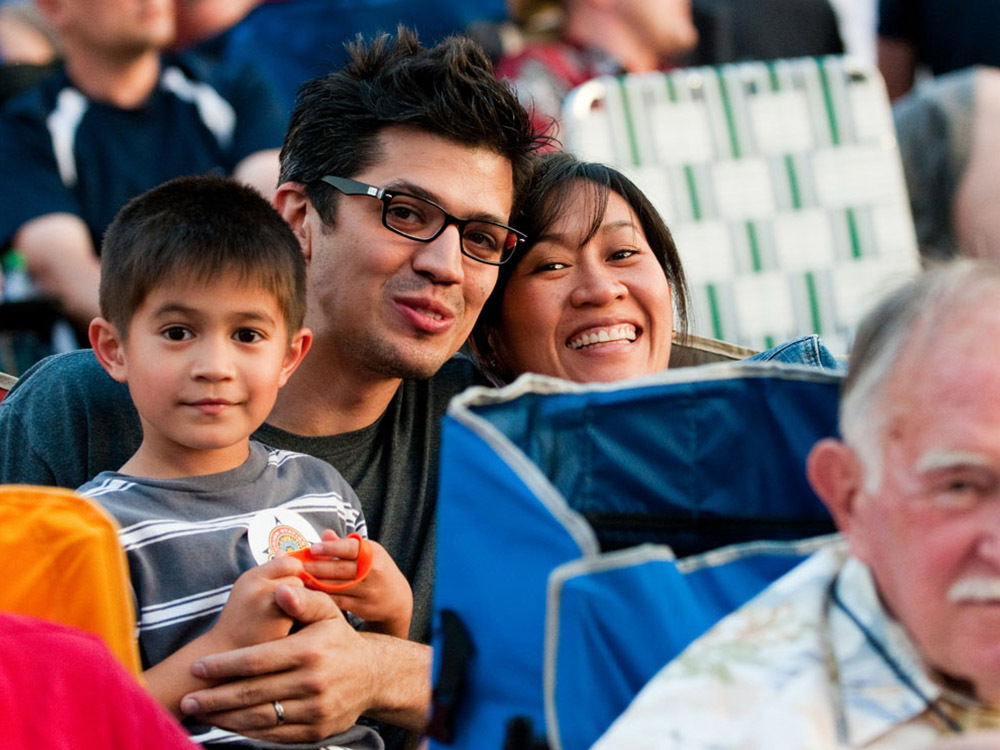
x: 586, y: 534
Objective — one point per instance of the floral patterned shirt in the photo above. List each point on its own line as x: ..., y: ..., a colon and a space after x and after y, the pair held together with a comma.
x: 813, y: 662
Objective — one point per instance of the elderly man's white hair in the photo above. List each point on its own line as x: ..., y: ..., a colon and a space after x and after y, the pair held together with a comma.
x: 908, y: 322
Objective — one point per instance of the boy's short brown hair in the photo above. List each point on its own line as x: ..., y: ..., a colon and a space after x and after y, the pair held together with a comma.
x: 198, y: 228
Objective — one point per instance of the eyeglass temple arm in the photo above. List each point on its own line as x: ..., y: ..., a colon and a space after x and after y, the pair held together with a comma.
x: 352, y: 187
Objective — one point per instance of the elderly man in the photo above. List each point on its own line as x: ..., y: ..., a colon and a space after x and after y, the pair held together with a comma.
x: 892, y: 637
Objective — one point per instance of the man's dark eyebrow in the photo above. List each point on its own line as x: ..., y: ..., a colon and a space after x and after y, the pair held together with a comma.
x: 405, y: 186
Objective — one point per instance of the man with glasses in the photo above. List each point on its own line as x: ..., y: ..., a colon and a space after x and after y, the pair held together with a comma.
x: 398, y: 175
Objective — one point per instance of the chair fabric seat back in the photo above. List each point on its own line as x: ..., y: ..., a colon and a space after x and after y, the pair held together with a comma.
x: 66, y: 565
x: 662, y: 503
x: 781, y: 182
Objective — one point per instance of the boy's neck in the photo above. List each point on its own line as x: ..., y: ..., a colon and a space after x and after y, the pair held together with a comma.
x: 155, y: 461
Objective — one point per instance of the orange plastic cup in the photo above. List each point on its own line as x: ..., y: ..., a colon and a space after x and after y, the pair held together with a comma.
x: 364, y: 567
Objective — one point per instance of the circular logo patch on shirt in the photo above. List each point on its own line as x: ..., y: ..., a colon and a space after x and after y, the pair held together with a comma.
x: 278, y: 530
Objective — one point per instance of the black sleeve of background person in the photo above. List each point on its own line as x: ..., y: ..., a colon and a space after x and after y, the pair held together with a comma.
x: 736, y: 30
x: 948, y: 34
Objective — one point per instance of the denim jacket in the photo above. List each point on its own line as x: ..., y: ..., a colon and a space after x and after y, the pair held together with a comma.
x: 804, y: 350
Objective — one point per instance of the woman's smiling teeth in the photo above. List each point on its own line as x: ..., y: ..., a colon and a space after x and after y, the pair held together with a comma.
x: 625, y: 332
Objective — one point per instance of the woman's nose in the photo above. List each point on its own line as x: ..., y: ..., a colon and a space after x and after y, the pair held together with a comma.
x: 597, y: 286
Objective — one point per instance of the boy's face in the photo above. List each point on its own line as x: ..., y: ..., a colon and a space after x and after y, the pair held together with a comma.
x: 203, y: 362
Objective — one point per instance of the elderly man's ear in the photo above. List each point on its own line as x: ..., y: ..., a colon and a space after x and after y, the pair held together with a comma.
x: 838, y: 477
x: 835, y: 474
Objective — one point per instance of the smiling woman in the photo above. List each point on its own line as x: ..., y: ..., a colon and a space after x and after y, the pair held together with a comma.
x: 598, y: 293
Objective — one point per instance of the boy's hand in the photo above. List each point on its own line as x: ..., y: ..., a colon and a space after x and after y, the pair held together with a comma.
x: 383, y: 599
x: 251, y: 614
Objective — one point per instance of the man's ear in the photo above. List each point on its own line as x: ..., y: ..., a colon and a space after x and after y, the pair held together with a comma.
x: 836, y: 475
x: 298, y: 347
x: 108, y: 348
x: 292, y: 203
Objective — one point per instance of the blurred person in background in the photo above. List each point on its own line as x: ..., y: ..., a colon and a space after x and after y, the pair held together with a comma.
x: 573, y: 41
x: 297, y: 40
x: 921, y: 37
x: 25, y: 37
x: 117, y: 119
x: 938, y: 59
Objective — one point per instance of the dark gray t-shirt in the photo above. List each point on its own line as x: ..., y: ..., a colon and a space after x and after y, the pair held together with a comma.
x: 66, y: 421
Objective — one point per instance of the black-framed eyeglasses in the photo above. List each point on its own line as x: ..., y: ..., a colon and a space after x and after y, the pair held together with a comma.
x: 422, y: 220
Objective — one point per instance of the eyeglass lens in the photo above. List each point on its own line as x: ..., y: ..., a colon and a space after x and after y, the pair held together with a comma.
x: 418, y: 219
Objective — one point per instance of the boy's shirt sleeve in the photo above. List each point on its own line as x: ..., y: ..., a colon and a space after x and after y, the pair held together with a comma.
x: 360, y: 525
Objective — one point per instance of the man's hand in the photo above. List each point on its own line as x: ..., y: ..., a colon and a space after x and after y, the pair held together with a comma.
x: 325, y: 675
x: 250, y: 616
x: 383, y: 599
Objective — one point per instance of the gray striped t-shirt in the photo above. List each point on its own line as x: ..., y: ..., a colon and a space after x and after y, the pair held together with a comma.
x: 187, y: 543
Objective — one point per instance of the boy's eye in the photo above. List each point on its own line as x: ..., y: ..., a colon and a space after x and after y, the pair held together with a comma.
x: 247, y: 336
x: 176, y: 333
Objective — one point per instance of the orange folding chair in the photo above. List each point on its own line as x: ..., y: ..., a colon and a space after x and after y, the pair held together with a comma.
x: 66, y: 565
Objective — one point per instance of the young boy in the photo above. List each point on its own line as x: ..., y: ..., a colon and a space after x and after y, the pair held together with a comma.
x: 202, y: 299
